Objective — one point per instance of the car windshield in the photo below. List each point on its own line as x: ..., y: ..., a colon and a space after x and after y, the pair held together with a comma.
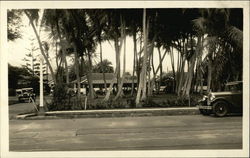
x: 18, y: 92
x: 27, y: 91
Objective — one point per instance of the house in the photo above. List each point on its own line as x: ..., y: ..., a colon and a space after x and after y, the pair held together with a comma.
x: 98, y: 82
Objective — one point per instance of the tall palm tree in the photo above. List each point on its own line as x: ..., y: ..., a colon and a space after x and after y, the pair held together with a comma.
x: 220, y: 24
x: 98, y: 19
x: 103, y: 67
x: 123, y: 34
x: 33, y: 16
x: 113, y: 32
x: 82, y: 37
x: 133, y: 27
x: 145, y: 57
x: 52, y: 18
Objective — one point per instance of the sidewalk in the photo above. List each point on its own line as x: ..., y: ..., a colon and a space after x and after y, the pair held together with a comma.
x: 113, y: 113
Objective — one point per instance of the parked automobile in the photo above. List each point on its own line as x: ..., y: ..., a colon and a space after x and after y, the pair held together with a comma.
x: 223, y: 103
x: 25, y: 94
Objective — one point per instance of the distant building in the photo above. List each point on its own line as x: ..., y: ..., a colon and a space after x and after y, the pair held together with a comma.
x: 98, y: 82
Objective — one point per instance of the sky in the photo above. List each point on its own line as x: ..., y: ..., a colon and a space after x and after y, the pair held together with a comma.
x: 18, y: 48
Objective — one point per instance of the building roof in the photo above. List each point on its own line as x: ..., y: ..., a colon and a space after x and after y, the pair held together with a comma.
x: 97, y: 78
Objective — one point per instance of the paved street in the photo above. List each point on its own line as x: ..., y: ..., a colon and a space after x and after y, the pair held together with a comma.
x: 127, y: 133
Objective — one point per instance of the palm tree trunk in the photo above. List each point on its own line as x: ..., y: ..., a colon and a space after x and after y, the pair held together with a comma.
x: 189, y: 78
x: 173, y: 68
x: 159, y: 52
x: 139, y: 62
x: 201, y: 83
x: 154, y: 73
x: 209, y: 76
x: 63, y: 53
x: 149, y: 80
x: 117, y: 61
x: 124, y: 65
x: 143, y: 71
x: 89, y: 78
x: 151, y: 52
x: 40, y: 46
x: 103, y: 73
x: 66, y: 69
x: 117, y: 69
x: 77, y: 71
x: 57, y: 64
x: 145, y: 62
x: 142, y: 84
x: 191, y: 68
x: 134, y: 63
x: 106, y: 98
x: 158, y: 68
x: 180, y: 84
x: 178, y: 71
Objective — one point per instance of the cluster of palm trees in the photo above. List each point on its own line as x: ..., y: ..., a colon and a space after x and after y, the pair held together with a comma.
x: 207, y: 42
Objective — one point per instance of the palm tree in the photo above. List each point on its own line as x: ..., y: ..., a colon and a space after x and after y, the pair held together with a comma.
x: 103, y: 67
x: 33, y: 16
x: 123, y: 34
x: 133, y: 27
x: 145, y: 57
x: 82, y: 37
x: 113, y: 32
x: 219, y: 24
x: 98, y: 21
x: 52, y: 18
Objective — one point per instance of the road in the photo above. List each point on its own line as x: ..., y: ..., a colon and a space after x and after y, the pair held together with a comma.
x: 127, y: 133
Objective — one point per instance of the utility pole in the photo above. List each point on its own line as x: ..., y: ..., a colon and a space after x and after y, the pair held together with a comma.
x: 41, y: 106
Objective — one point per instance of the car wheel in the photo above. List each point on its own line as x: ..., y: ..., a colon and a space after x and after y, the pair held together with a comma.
x: 220, y: 108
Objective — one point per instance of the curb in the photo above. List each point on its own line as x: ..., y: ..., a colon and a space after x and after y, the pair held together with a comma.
x: 112, y: 113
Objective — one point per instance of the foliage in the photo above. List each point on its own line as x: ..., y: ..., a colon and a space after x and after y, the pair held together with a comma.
x: 185, y: 31
x: 14, y: 24
x: 104, y: 67
x: 19, y: 77
x: 171, y: 101
x: 62, y: 98
x: 72, y: 102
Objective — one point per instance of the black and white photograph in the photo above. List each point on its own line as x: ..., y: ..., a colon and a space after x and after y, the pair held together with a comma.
x: 125, y: 79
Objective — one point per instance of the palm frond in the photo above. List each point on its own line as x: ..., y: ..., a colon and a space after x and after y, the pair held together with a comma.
x: 234, y: 36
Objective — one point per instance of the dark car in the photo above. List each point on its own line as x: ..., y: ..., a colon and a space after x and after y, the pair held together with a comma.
x: 223, y: 103
x: 25, y: 94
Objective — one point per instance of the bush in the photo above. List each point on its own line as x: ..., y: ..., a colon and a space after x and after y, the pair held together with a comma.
x: 111, y: 104
x: 149, y: 102
x: 63, y: 99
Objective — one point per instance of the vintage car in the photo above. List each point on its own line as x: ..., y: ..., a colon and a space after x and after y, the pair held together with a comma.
x: 223, y: 103
x: 25, y: 94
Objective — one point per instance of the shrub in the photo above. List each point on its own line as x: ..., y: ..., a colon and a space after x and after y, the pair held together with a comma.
x: 149, y: 102
x: 63, y: 99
